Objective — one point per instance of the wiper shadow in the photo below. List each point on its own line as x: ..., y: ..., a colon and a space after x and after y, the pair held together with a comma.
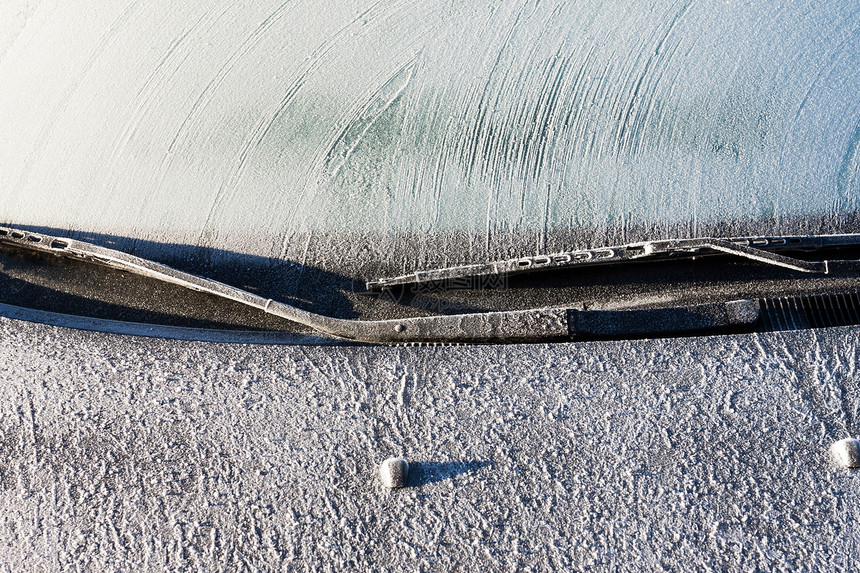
x: 26, y: 294
x: 423, y: 473
x: 306, y: 287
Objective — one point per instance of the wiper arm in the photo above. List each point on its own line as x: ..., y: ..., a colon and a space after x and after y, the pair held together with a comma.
x: 760, y: 249
x: 521, y: 325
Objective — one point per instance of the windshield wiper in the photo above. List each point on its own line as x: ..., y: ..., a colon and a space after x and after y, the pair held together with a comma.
x: 540, y: 324
x: 759, y: 249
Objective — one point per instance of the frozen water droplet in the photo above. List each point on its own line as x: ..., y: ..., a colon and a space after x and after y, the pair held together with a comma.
x: 394, y: 472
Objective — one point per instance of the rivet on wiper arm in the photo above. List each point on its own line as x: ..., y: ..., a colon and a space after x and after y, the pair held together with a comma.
x: 648, y: 249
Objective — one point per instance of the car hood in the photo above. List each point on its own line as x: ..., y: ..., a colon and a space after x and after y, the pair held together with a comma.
x: 706, y: 452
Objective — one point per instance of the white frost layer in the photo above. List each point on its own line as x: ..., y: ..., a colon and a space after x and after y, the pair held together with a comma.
x: 225, y: 124
x: 125, y: 453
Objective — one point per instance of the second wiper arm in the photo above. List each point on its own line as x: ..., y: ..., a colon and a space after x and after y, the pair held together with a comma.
x: 760, y: 249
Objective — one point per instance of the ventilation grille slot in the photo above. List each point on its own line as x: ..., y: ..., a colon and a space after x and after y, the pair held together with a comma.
x: 814, y: 311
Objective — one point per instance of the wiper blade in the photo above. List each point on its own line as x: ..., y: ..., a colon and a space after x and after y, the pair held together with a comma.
x: 760, y: 249
x: 521, y: 325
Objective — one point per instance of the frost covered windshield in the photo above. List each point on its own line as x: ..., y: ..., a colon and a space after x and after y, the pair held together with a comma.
x: 337, y: 133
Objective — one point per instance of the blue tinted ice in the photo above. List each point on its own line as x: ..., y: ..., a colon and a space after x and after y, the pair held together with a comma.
x: 242, y: 126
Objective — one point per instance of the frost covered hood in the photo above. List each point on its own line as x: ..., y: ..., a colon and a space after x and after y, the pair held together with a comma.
x: 148, y: 454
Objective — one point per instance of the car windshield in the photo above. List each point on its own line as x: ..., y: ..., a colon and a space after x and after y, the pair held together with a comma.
x: 331, y: 143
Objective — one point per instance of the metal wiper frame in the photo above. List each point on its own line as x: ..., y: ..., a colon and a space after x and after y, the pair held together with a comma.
x: 543, y: 324
x: 760, y: 249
